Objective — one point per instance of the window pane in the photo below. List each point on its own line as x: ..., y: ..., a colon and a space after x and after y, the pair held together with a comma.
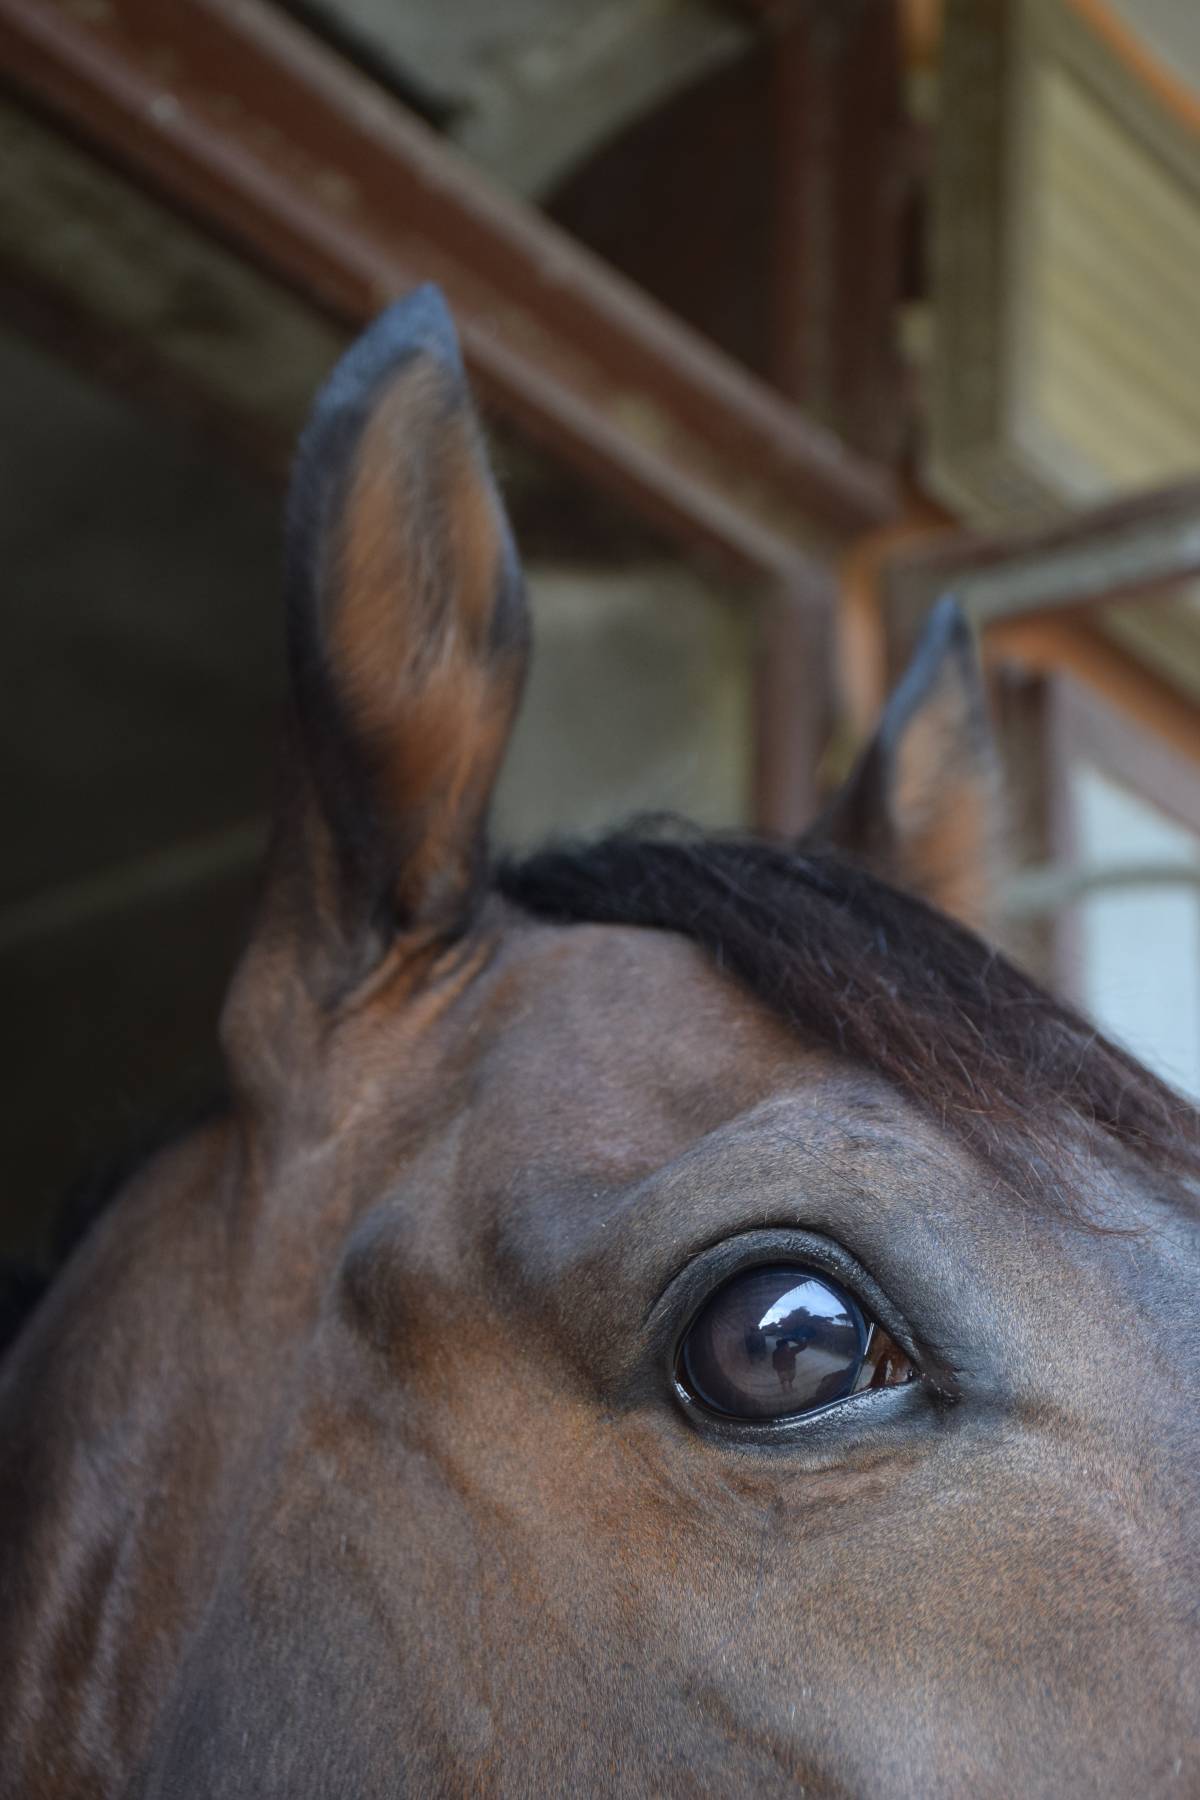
x: 1139, y: 946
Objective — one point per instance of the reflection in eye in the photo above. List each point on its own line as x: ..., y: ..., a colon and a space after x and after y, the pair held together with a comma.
x: 781, y: 1340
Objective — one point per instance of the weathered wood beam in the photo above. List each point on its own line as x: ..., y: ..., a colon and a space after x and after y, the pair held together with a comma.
x: 127, y: 291
x: 1071, y: 646
x: 233, y: 112
x: 843, y: 177
x: 794, y: 704
x: 1140, y: 546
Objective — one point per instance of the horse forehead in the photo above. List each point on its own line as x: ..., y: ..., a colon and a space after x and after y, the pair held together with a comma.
x: 624, y: 1035
x: 595, y: 986
x: 605, y: 1056
x: 620, y: 1066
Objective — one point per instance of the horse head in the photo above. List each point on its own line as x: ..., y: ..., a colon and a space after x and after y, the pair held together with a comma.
x: 667, y: 1315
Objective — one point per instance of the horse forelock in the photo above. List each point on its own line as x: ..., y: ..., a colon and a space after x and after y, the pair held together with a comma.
x: 853, y: 964
x: 880, y: 977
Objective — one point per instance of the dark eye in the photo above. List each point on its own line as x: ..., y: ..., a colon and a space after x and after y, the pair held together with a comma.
x: 780, y: 1340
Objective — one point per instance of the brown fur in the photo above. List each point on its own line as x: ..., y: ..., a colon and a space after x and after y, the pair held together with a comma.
x: 343, y: 1457
x: 428, y: 659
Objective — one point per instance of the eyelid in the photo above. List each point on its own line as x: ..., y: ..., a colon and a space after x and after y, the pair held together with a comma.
x: 823, y: 1434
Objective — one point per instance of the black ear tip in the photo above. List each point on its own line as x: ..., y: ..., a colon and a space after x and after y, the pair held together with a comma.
x: 946, y: 640
x: 418, y: 325
x: 946, y: 628
x: 421, y: 321
x: 946, y: 646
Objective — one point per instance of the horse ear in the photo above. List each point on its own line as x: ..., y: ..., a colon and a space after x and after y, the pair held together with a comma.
x: 407, y: 641
x: 922, y: 807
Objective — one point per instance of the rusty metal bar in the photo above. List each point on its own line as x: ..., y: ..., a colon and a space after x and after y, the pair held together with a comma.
x: 233, y: 111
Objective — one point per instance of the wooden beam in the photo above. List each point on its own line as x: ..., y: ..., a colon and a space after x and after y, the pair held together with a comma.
x: 1074, y: 647
x: 1139, y: 546
x: 842, y: 181
x: 794, y: 705
x: 128, y: 292
x: 237, y: 115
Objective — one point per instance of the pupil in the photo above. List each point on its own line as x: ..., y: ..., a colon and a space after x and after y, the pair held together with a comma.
x: 775, y: 1341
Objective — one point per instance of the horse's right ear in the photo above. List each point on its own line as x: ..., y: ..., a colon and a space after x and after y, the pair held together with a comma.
x: 407, y: 639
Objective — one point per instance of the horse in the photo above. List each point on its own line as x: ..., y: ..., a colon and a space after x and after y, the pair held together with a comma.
x: 669, y: 1314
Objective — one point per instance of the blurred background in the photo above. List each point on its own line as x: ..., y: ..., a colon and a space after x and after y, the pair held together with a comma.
x: 786, y: 316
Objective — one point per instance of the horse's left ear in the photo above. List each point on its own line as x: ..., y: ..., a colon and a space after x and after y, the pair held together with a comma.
x: 922, y: 808
x: 407, y: 638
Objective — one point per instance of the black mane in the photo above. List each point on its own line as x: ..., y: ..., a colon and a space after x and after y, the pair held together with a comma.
x: 847, y: 962
x: 880, y: 977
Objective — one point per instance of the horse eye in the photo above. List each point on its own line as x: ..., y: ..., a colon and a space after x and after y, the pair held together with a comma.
x: 776, y: 1341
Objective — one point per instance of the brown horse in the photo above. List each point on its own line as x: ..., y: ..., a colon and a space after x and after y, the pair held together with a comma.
x: 673, y: 1316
